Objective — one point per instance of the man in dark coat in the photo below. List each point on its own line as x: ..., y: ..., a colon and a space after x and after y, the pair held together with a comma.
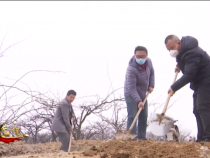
x: 139, y: 79
x: 62, y: 122
x: 194, y: 63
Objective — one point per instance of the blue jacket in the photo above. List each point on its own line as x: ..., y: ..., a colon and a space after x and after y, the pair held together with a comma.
x: 138, y: 80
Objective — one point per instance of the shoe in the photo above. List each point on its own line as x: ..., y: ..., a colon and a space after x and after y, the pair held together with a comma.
x: 202, y: 141
x: 198, y: 141
x: 207, y: 140
x: 142, y: 139
x: 136, y: 138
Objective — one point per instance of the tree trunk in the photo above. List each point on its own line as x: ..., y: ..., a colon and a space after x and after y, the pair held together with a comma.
x: 78, y: 134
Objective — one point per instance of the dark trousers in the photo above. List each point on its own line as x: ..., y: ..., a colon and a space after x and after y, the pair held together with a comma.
x: 201, y: 109
x: 132, y: 109
x: 64, y: 139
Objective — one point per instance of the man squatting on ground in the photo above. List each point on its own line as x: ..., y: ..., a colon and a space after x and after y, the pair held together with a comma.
x: 139, y: 80
x: 194, y: 63
x: 62, y: 122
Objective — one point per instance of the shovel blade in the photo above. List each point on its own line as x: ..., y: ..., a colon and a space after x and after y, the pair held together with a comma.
x: 125, y: 136
x: 160, y: 128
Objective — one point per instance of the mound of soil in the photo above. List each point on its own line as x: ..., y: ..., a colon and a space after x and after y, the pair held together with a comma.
x: 107, y: 149
x: 148, y: 149
x: 20, y: 148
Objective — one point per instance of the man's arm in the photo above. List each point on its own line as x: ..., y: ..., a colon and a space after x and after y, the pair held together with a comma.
x: 131, y: 85
x: 73, y: 115
x: 152, y: 77
x: 65, y: 113
x: 190, y: 70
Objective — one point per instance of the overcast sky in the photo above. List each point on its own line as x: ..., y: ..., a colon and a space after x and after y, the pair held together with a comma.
x: 89, y: 40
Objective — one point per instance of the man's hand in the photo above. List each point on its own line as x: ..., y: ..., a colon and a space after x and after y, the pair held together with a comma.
x: 177, y: 69
x: 150, y: 89
x: 71, y: 130
x: 141, y: 105
x: 73, y: 116
x: 171, y: 92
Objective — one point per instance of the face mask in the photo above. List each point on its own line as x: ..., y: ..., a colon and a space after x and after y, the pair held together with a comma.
x: 174, y: 53
x: 140, y: 61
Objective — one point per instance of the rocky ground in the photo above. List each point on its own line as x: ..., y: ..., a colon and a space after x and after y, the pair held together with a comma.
x: 107, y: 149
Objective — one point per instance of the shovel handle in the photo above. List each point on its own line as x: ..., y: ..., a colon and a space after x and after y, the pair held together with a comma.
x: 137, y: 115
x: 70, y: 142
x: 169, y: 96
x: 175, y: 77
x: 70, y: 137
x: 166, y: 105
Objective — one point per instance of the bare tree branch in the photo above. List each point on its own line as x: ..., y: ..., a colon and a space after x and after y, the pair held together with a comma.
x: 4, y: 51
x: 26, y: 74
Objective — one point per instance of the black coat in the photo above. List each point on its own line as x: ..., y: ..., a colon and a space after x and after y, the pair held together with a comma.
x: 194, y: 63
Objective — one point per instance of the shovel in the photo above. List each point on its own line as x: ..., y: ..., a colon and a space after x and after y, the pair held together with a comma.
x: 161, y: 124
x: 127, y: 134
x: 70, y: 136
x: 70, y: 142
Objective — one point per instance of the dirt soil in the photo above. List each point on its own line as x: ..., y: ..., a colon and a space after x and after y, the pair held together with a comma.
x: 107, y: 149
